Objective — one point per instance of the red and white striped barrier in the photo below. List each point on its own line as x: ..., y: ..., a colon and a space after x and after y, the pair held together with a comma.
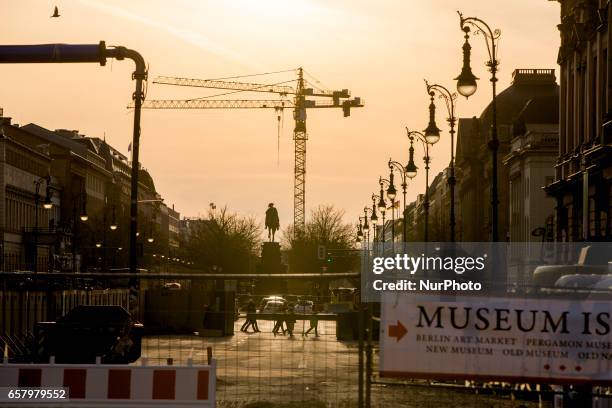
x: 103, y: 385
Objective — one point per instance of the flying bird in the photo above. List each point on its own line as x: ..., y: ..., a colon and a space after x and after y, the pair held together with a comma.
x: 55, y: 13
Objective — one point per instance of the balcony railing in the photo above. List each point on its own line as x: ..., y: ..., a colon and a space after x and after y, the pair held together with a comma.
x: 39, y: 230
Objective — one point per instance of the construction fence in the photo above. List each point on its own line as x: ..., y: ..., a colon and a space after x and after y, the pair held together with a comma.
x: 335, y: 365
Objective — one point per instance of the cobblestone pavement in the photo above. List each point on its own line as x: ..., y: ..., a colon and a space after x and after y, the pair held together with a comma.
x: 260, y: 370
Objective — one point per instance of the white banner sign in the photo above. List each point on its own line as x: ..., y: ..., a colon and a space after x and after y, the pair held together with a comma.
x: 537, y: 340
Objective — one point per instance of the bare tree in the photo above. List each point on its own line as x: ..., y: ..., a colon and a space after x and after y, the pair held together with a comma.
x: 325, y: 227
x: 225, y: 242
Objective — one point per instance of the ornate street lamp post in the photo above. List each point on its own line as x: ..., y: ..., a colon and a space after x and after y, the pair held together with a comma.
x: 402, y: 171
x: 382, y: 207
x: 432, y: 129
x: 378, y: 200
x: 366, y: 226
x: 411, y: 170
x: 83, y: 214
x: 374, y: 218
x: 47, y: 205
x: 466, y: 86
x: 391, y: 194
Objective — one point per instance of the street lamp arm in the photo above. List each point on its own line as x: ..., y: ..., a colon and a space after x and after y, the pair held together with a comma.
x: 397, y: 165
x: 41, y: 179
x: 490, y: 36
x: 416, y: 134
x: 425, y: 147
x: 448, y: 97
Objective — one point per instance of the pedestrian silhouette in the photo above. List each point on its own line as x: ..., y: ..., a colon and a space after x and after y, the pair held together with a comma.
x: 55, y: 13
x: 251, y: 318
x: 290, y: 320
x: 278, y: 323
x: 314, y: 322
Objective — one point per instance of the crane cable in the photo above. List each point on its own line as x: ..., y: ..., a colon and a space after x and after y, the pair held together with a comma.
x: 279, y: 128
x: 253, y: 75
x: 315, y: 80
x: 239, y: 90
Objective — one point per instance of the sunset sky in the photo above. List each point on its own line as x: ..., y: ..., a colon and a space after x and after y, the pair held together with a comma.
x: 380, y: 50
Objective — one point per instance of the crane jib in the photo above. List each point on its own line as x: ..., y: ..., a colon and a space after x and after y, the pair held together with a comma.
x: 336, y: 99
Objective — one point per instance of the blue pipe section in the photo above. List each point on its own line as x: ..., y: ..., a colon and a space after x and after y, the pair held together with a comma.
x: 53, y: 53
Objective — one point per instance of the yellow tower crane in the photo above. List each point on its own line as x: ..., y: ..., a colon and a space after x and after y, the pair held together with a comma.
x: 336, y: 99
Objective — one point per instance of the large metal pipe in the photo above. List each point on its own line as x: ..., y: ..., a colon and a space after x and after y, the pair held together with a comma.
x: 53, y: 53
x: 140, y: 75
x: 82, y: 53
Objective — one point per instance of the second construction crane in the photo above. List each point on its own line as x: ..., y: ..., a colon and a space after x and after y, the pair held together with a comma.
x: 336, y: 99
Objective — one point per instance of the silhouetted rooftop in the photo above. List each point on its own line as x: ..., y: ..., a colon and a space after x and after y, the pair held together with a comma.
x: 526, y: 84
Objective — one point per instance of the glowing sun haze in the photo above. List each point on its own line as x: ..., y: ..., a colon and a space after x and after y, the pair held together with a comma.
x: 380, y: 50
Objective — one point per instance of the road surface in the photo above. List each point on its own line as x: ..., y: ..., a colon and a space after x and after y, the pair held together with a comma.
x: 257, y: 367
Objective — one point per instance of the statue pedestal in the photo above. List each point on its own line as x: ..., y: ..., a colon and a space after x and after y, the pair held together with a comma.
x: 271, y: 264
x: 271, y: 258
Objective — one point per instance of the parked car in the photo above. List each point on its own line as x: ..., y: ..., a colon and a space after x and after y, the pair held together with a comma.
x: 292, y: 298
x: 303, y: 306
x: 267, y: 299
x: 343, y: 300
x: 87, y: 332
x: 274, y: 306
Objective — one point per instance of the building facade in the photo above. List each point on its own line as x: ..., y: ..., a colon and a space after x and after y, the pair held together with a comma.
x: 530, y: 163
x: 89, y: 188
x: 583, y: 172
x: 30, y: 234
x: 473, y: 158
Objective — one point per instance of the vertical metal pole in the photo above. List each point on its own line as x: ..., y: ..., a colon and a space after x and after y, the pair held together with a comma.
x: 140, y: 74
x: 405, y: 214
x: 494, y: 146
x: 451, y: 178
x: 426, y: 232
x: 393, y: 225
x: 361, y: 327
x: 585, y: 203
x: 104, y: 241
x: 369, y: 362
x: 36, y: 227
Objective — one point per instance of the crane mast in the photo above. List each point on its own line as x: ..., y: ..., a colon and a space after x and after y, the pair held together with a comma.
x: 335, y: 99
x: 300, y: 137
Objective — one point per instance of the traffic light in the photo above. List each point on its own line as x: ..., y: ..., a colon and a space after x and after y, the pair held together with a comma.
x: 321, y: 252
x: 330, y: 259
